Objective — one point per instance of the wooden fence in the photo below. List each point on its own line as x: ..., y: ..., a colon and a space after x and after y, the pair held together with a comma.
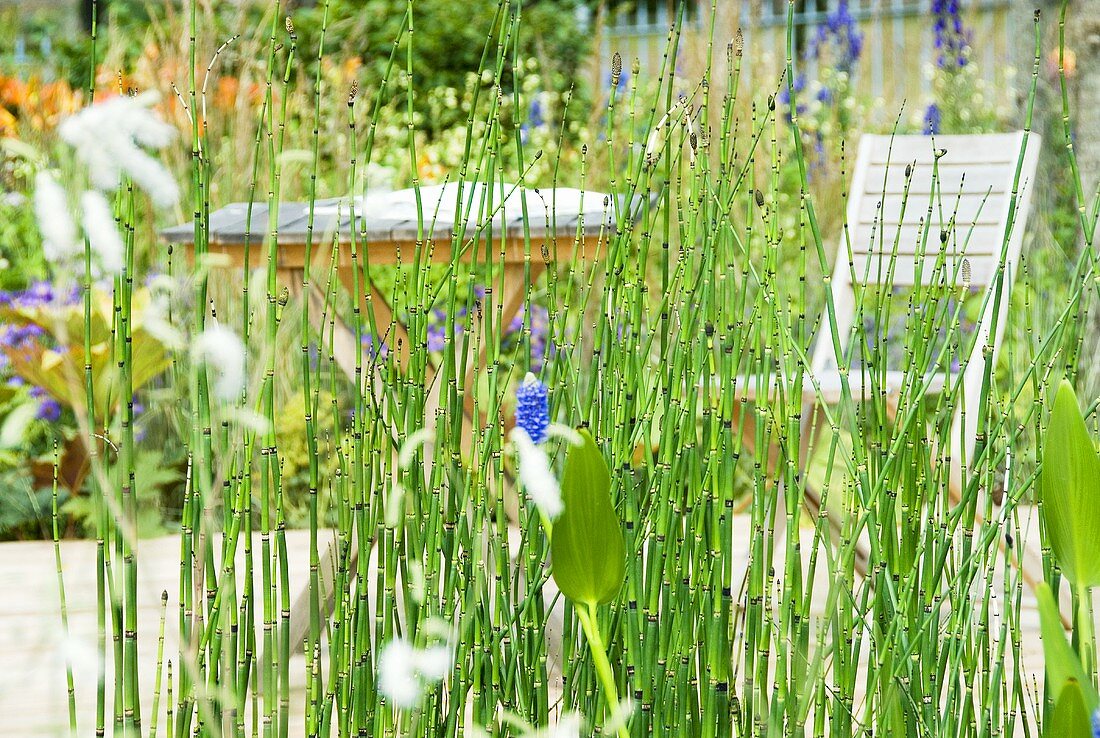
x: 898, y: 39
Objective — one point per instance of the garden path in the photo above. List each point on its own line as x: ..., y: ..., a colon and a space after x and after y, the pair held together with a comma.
x: 33, y: 645
x: 33, y: 698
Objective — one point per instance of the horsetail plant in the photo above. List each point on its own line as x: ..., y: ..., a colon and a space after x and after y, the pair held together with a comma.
x: 690, y: 584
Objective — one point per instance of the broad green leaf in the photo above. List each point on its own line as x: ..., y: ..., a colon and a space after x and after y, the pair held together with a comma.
x: 589, y: 556
x: 1062, y: 663
x: 15, y: 425
x: 1071, y: 491
x: 1070, y: 718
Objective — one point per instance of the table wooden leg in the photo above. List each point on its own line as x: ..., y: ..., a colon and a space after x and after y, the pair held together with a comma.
x: 744, y: 417
x: 512, y: 298
x: 346, y: 354
x: 1027, y: 563
x: 393, y: 333
x: 811, y: 497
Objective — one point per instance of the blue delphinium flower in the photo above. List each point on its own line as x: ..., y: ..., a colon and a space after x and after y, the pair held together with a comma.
x: 952, y: 37
x: 785, y: 97
x: 535, y: 119
x: 933, y: 120
x: 840, y: 32
x: 533, y: 408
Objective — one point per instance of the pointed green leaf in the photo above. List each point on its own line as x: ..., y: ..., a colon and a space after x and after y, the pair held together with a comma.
x: 1070, y: 718
x: 1071, y: 491
x: 14, y: 428
x: 1062, y: 663
x: 589, y: 555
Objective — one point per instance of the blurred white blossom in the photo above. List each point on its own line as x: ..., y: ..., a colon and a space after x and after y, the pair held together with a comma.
x: 156, y: 318
x: 51, y: 208
x: 221, y: 350
x: 110, y: 139
x: 79, y: 654
x: 404, y: 670
x: 407, y: 454
x: 536, y: 475
x: 102, y: 231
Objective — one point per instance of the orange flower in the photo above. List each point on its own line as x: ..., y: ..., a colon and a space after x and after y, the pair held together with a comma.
x: 13, y: 92
x: 8, y: 124
x: 34, y: 104
x: 428, y: 169
x: 225, y: 97
x: 351, y: 67
x: 1054, y: 59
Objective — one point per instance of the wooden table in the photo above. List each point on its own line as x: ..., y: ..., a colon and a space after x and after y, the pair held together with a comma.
x: 520, y: 231
x: 561, y: 224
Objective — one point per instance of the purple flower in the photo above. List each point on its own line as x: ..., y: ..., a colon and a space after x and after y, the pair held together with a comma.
x: 839, y: 32
x: 381, y: 353
x: 39, y: 294
x: 952, y: 38
x: 49, y: 409
x: 533, y: 408
x: 933, y: 120
x: 539, y: 337
x: 785, y: 96
x: 437, y: 338
x: 535, y: 119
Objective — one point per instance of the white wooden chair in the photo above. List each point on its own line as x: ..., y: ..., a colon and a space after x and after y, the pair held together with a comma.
x: 973, y: 185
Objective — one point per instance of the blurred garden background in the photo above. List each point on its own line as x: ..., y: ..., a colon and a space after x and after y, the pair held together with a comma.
x: 866, y: 65
x: 240, y: 526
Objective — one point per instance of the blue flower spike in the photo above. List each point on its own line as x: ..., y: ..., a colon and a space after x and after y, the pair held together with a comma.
x: 533, y: 408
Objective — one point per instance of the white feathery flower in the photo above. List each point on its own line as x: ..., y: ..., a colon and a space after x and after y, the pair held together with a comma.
x: 80, y: 654
x: 396, y: 676
x: 433, y: 663
x: 51, y: 208
x: 108, y: 138
x: 102, y: 231
x: 536, y: 475
x: 404, y: 671
x: 395, y: 505
x: 149, y: 130
x: 221, y: 349
x: 248, y: 419
x: 566, y: 433
x: 407, y: 454
x: 151, y: 176
x: 155, y: 319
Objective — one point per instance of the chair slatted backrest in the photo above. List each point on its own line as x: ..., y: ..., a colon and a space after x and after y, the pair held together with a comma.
x: 895, y: 236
